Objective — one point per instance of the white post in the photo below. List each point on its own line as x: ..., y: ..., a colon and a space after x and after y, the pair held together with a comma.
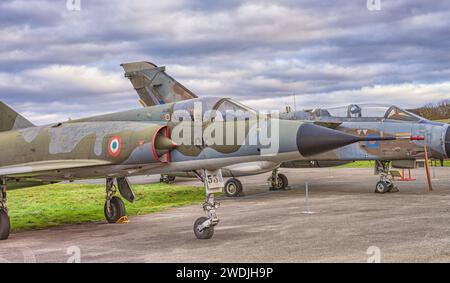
x: 434, y: 169
x: 307, y: 211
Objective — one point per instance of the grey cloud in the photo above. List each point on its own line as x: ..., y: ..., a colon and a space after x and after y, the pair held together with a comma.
x: 243, y: 49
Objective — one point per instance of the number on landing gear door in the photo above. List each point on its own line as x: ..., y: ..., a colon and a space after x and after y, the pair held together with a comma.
x: 214, y: 181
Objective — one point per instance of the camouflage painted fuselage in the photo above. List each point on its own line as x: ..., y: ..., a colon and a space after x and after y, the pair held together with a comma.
x: 129, y: 143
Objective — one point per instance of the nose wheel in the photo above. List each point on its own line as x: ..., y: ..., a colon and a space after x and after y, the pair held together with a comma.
x: 386, y: 183
x: 204, y: 226
x: 202, y: 232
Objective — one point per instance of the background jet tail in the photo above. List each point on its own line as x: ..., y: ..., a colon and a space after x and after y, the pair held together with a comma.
x: 153, y: 85
x: 11, y: 120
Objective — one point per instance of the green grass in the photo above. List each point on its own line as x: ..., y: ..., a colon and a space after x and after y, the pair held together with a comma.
x: 358, y: 164
x: 59, y: 204
x: 371, y: 164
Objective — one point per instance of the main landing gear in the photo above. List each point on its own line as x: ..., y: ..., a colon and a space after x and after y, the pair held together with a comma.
x: 278, y: 181
x: 5, y: 226
x: 168, y: 179
x: 114, y: 209
x: 204, y: 226
x: 386, y: 183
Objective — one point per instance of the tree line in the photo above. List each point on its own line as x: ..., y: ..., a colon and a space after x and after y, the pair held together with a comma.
x: 434, y: 111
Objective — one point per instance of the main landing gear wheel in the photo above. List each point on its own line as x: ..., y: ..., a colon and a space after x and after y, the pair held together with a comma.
x: 115, y: 211
x: 114, y: 206
x: 5, y: 226
x: 281, y: 183
x: 205, y: 233
x: 233, y: 187
x: 168, y: 179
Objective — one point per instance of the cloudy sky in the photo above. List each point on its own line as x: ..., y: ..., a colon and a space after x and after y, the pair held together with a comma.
x: 57, y: 63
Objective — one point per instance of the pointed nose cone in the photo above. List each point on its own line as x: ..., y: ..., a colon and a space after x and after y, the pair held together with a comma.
x: 313, y: 139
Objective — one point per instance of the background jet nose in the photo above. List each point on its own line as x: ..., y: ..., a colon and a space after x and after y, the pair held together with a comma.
x: 447, y: 142
x: 313, y: 139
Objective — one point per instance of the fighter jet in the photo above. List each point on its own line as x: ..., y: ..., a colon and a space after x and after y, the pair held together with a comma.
x: 378, y: 119
x: 200, y: 135
x: 154, y: 84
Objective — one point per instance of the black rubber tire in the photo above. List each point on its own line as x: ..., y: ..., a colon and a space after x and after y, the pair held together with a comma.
x: 282, y: 181
x: 5, y: 225
x: 171, y: 179
x: 117, y: 210
x: 382, y: 187
x: 233, y: 187
x: 206, y: 233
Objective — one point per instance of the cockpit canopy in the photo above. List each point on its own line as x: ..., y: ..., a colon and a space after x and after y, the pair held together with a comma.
x: 210, y: 108
x: 377, y: 112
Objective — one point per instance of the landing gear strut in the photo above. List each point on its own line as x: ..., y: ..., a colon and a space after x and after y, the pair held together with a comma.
x: 278, y: 181
x: 5, y: 226
x: 386, y: 183
x: 204, y: 226
x: 114, y: 206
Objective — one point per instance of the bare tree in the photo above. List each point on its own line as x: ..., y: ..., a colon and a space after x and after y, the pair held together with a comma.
x: 435, y: 111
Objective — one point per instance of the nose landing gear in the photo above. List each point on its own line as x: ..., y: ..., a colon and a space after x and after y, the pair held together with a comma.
x: 386, y: 183
x: 204, y: 226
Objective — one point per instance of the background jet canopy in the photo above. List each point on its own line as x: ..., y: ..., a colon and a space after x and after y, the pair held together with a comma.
x: 376, y: 111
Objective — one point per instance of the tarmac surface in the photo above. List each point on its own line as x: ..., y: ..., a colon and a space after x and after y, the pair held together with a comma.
x: 349, y: 223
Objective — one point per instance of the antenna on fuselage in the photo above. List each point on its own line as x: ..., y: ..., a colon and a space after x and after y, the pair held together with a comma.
x: 295, y: 103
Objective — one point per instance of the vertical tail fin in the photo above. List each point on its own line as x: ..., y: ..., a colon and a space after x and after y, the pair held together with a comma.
x: 153, y: 85
x: 11, y: 120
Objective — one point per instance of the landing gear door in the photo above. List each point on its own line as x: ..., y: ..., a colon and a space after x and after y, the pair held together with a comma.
x: 214, y: 181
x: 125, y: 189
